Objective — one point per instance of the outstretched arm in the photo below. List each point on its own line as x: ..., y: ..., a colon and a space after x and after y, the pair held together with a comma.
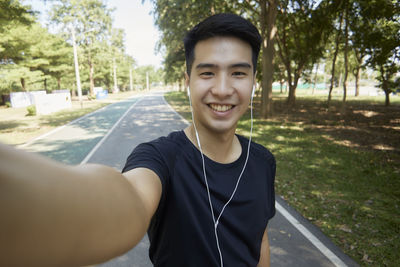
x: 264, y: 252
x: 57, y: 215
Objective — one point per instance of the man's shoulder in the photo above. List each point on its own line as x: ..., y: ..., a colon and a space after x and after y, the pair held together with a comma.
x: 257, y: 150
x: 166, y: 145
x: 175, y: 138
x: 158, y: 152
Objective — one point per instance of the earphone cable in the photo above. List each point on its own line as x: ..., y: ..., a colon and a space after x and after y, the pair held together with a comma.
x: 206, y: 182
x: 205, y: 175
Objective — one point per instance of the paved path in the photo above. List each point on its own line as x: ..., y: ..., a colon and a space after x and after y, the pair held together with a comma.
x: 71, y: 143
x: 113, y: 132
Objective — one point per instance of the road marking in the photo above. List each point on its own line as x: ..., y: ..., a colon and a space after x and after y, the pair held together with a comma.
x: 88, y: 156
x: 312, y: 238
x: 69, y: 123
x: 173, y: 110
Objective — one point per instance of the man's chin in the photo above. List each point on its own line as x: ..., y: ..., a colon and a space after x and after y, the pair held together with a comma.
x: 222, y: 128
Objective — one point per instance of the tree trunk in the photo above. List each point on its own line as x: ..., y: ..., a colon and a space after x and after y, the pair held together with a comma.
x: 334, y: 59
x: 268, y: 31
x: 315, y: 78
x: 91, y: 74
x: 387, y: 98
x: 357, y: 85
x: 346, y: 63
x: 59, y: 83
x: 385, y: 86
x: 115, y: 76
x: 23, y: 84
x: 292, y: 87
x: 45, y: 84
x: 292, y: 95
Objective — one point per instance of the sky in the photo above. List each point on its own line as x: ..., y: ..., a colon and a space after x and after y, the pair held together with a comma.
x: 141, y: 35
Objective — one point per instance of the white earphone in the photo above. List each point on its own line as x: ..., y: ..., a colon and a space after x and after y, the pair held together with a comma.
x: 205, y: 175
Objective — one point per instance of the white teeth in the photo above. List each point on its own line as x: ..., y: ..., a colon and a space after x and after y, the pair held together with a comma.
x: 220, y: 108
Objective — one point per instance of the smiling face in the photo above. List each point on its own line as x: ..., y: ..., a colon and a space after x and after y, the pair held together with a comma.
x: 221, y: 82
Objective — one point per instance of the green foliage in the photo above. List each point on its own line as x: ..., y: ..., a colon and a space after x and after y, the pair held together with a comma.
x: 90, y: 21
x: 155, y: 75
x: 31, y: 110
x: 303, y: 31
x: 101, y: 47
x: 31, y: 56
x: 8, y: 104
x: 380, y: 36
x: 33, y: 59
x: 12, y: 10
x: 174, y: 19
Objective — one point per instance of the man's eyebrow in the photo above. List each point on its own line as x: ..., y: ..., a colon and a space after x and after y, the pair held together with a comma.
x: 205, y: 65
x: 241, y: 65
x: 236, y: 65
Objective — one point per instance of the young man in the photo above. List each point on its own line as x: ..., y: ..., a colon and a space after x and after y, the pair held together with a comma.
x: 204, y: 194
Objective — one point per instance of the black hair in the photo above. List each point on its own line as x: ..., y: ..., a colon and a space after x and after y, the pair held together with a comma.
x: 223, y: 24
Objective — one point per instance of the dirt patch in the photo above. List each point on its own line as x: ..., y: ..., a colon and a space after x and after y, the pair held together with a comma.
x: 360, y: 125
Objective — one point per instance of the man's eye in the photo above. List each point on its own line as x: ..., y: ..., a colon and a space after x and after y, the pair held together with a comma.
x: 206, y: 74
x: 239, y: 74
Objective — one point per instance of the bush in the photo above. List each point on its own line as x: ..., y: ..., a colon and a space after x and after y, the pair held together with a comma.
x: 8, y: 104
x: 31, y: 110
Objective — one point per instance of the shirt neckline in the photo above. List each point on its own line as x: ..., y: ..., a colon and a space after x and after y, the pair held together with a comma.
x: 216, y: 164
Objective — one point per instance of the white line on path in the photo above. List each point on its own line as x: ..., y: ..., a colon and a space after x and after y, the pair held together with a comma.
x: 65, y: 125
x: 312, y: 238
x: 88, y: 156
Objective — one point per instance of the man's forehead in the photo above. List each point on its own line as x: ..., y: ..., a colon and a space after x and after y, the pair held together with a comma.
x: 222, y: 51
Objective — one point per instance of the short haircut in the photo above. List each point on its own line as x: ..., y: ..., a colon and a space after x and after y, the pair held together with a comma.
x: 224, y: 24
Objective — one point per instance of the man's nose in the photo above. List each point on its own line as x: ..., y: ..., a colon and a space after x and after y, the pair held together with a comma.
x: 222, y: 86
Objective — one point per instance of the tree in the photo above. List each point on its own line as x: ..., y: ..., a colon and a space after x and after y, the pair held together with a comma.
x: 149, y: 71
x: 13, y: 11
x: 358, y: 33
x: 346, y: 49
x: 263, y: 13
x: 90, y: 19
x: 174, y: 19
x: 29, y: 57
x: 60, y: 59
x: 383, y: 40
x: 303, y: 30
x: 12, y: 15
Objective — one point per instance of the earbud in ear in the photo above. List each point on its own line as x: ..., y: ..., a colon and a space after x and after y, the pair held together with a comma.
x: 188, y: 91
x: 254, y: 91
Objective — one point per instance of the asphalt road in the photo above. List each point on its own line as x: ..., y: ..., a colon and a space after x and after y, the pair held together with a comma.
x: 108, y: 137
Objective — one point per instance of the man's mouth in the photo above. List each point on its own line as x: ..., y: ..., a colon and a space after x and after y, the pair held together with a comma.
x: 220, y: 108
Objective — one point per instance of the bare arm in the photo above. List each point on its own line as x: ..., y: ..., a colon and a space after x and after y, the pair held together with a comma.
x: 265, y: 260
x: 56, y: 215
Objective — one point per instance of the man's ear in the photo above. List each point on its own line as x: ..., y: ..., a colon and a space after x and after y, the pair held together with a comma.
x: 255, y: 79
x: 187, y: 80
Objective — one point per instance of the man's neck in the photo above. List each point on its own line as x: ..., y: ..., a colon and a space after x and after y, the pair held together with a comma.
x: 220, y: 147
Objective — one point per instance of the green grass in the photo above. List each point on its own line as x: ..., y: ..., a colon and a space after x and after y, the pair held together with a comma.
x: 352, y: 194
